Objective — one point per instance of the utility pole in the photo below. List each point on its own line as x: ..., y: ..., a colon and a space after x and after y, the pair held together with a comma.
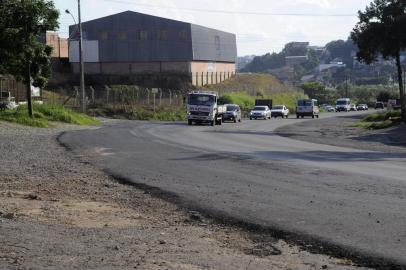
x: 28, y: 69
x: 82, y: 65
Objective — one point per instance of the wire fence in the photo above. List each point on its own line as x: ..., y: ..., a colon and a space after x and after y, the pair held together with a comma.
x: 117, y: 96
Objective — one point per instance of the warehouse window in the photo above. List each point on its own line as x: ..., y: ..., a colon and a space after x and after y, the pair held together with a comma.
x: 142, y: 35
x: 183, y: 35
x: 122, y: 35
x: 217, y: 42
x: 163, y: 35
x: 104, y: 35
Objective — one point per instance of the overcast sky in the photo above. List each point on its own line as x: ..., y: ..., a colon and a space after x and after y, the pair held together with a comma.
x: 269, y: 25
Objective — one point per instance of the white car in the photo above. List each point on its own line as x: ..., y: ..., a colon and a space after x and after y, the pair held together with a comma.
x: 330, y: 108
x: 260, y: 112
x: 280, y: 110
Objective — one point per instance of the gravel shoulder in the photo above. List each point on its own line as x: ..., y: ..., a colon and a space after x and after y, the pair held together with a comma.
x: 340, y: 131
x: 59, y: 212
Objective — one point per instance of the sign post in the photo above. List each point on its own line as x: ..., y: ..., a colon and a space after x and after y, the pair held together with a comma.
x: 154, y: 91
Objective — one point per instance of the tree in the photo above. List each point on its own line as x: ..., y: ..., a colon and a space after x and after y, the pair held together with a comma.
x: 318, y: 91
x: 342, y: 50
x: 22, y: 55
x: 381, y: 32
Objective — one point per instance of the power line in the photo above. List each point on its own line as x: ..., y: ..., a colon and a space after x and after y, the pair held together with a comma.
x: 236, y: 12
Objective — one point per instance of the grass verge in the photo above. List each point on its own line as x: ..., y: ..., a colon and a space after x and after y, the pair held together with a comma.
x: 139, y: 113
x: 380, y: 120
x: 44, y: 115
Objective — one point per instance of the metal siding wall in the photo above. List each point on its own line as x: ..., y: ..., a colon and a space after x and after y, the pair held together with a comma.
x: 132, y: 50
x: 205, y: 47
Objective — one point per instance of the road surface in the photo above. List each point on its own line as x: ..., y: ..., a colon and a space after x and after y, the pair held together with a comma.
x: 349, y: 202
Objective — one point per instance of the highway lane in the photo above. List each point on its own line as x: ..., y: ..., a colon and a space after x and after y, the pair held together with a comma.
x: 352, y: 198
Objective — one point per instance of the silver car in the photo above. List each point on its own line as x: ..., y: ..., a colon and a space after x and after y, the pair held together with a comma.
x: 233, y: 113
x: 260, y: 112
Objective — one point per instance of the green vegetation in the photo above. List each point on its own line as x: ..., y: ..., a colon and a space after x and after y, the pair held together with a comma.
x: 380, y: 120
x: 44, y: 114
x: 382, y: 19
x: 318, y: 91
x: 244, y: 89
x: 19, y: 40
x: 140, y: 113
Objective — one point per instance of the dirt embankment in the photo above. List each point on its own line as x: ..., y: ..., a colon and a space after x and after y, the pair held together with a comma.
x: 59, y: 212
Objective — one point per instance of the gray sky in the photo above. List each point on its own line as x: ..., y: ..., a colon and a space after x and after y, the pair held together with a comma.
x: 270, y: 24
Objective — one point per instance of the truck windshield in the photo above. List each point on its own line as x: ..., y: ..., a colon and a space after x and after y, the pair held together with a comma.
x: 231, y: 108
x: 277, y: 108
x: 259, y: 109
x: 205, y: 100
x: 342, y: 102
x: 304, y: 102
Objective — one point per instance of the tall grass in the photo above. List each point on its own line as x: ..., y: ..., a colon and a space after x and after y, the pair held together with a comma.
x: 44, y: 114
x: 380, y: 120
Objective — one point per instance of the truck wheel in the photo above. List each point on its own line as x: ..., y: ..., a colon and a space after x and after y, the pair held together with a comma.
x: 317, y: 116
x: 312, y: 115
x: 287, y: 116
x: 297, y: 116
x: 212, y: 123
x: 189, y: 122
x: 219, y: 122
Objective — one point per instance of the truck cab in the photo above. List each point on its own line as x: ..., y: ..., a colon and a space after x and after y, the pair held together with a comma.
x: 203, y: 107
x: 343, y: 105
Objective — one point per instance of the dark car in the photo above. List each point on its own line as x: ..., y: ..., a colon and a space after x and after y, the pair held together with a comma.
x: 379, y: 105
x: 233, y: 113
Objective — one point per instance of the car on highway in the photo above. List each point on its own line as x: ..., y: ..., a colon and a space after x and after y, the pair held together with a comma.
x: 307, y: 107
x: 260, y: 112
x: 279, y: 110
x: 353, y: 107
x: 233, y: 113
x: 343, y: 105
x: 362, y: 107
x: 329, y: 108
x: 379, y: 105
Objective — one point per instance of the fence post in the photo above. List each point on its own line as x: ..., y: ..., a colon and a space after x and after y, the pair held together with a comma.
x: 92, y: 91
x: 107, y: 93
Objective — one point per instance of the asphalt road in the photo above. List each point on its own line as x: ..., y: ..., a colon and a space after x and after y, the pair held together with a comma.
x: 336, y: 197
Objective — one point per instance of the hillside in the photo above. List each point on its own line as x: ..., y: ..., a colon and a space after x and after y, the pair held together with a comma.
x: 254, y: 85
x: 243, y: 89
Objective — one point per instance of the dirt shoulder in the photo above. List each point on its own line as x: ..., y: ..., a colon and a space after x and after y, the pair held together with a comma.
x: 59, y: 212
x: 340, y: 131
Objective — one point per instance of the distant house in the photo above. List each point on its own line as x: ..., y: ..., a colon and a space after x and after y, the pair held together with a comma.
x: 295, y: 60
x: 149, y: 49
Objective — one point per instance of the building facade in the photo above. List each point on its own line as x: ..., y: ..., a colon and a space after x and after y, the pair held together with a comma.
x: 138, y: 47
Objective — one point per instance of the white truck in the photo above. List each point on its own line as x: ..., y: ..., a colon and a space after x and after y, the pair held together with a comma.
x: 343, y: 105
x: 7, y: 101
x: 203, y: 107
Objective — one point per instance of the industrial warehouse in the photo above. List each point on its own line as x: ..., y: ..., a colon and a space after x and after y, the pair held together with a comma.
x: 135, y: 48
